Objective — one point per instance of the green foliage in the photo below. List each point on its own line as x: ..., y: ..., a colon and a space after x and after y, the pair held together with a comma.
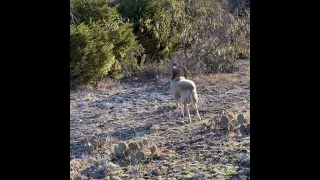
x: 86, y: 11
x: 90, y: 53
x: 101, y: 44
x: 156, y: 24
x: 117, y: 41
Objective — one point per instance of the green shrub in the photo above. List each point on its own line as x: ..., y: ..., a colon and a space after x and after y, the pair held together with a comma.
x: 86, y: 11
x: 156, y: 24
x: 90, y: 53
x: 101, y: 44
x: 106, y: 41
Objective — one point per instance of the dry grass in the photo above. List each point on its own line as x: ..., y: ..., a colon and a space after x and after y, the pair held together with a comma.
x: 153, y: 71
x: 103, y: 85
x: 78, y: 165
x: 108, y: 84
x: 220, y: 78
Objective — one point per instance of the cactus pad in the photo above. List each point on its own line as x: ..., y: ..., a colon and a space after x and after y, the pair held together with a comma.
x: 141, y: 144
x: 116, y: 150
x: 145, y: 142
x: 132, y: 156
x: 133, y: 146
x: 242, y: 129
x: 248, y: 128
x: 240, y: 118
x: 122, y: 147
x: 235, y: 122
x: 224, y: 121
x: 140, y: 155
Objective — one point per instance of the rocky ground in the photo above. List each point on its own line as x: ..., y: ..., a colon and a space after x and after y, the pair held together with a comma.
x: 135, y: 110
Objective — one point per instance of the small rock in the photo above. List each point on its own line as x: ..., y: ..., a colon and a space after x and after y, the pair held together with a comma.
x: 182, y: 177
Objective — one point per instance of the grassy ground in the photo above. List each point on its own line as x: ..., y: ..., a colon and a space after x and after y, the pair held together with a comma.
x: 135, y: 110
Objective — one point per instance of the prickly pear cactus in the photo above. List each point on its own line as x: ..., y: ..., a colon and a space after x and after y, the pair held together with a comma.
x: 240, y: 119
x: 135, y: 151
x: 145, y: 142
x: 116, y: 150
x: 132, y: 156
x: 242, y: 129
x: 248, y: 128
x: 133, y: 146
x: 122, y: 147
x: 141, y: 144
x: 234, y: 122
x: 140, y: 156
x: 224, y: 121
x: 127, y: 152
